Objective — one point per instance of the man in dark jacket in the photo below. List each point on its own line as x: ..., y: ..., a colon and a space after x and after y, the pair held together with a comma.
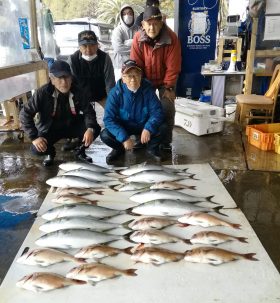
x: 132, y: 108
x: 63, y: 112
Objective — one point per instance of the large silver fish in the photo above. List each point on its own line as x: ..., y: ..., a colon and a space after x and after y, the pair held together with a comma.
x: 130, y: 186
x: 72, y: 199
x: 46, y: 257
x: 154, y: 194
x: 76, y: 165
x: 74, y: 181
x: 75, y: 238
x: 81, y: 223
x: 153, y: 176
x: 171, y: 185
x: 44, y: 281
x: 89, y: 175
x: 171, y: 208
x: 80, y: 210
x: 76, y: 191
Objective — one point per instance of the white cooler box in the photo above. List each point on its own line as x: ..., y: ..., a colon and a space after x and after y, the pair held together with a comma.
x: 198, y: 118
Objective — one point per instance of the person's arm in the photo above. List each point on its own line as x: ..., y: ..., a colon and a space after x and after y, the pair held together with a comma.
x: 136, y: 53
x: 109, y: 74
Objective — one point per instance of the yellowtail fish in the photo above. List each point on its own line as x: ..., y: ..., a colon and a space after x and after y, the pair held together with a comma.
x: 77, y: 191
x: 101, y: 251
x: 96, y: 272
x: 43, y: 281
x: 214, y: 238
x: 205, y: 220
x: 90, y: 166
x: 72, y: 199
x: 171, y: 185
x: 215, y: 256
x: 156, y: 256
x: 152, y: 222
x: 46, y: 256
x: 152, y: 176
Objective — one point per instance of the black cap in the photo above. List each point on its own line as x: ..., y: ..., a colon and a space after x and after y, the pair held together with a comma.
x: 87, y: 37
x: 60, y: 69
x: 128, y: 64
x: 152, y: 3
x: 152, y: 12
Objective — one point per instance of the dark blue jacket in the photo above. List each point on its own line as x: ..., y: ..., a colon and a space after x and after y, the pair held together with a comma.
x: 126, y: 111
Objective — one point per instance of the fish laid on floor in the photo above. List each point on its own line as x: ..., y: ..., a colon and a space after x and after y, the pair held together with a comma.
x: 96, y: 272
x: 89, y: 175
x: 153, y: 236
x: 172, y: 208
x: 75, y: 238
x: 80, y: 210
x: 171, y: 185
x: 80, y: 223
x: 43, y: 281
x: 215, y: 256
x: 152, y: 176
x: 76, y: 165
x: 156, y: 256
x: 72, y: 199
x: 77, y: 191
x: 130, y: 186
x: 101, y: 251
x: 205, y: 220
x: 214, y: 238
x: 74, y: 181
x: 152, y: 222
x: 155, y: 194
x: 46, y: 257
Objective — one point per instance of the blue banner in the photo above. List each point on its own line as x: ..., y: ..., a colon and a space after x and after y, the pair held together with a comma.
x: 24, y: 32
x: 197, y: 33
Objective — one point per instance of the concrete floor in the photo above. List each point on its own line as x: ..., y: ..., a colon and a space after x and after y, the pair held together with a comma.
x: 255, y: 192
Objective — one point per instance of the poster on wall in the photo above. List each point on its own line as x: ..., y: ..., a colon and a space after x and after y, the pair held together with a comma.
x: 272, y: 25
x: 272, y: 7
x: 197, y: 32
x: 24, y: 32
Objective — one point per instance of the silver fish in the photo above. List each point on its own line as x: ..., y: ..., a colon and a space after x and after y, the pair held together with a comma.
x: 72, y: 199
x: 46, y: 257
x: 101, y: 251
x: 75, y: 238
x: 76, y: 165
x: 215, y: 256
x: 154, y: 194
x: 43, y: 281
x: 151, y: 222
x: 76, y: 191
x: 171, y: 208
x: 152, y: 176
x: 79, y: 222
x: 89, y: 175
x: 96, y: 272
x: 171, y: 185
x: 74, y: 181
x: 130, y: 186
x: 214, y: 238
x: 80, y: 210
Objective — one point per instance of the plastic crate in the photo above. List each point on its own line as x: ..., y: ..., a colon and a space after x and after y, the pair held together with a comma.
x: 262, y: 135
x: 277, y: 142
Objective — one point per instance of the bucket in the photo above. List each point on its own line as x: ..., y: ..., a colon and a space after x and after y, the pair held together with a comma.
x: 230, y: 111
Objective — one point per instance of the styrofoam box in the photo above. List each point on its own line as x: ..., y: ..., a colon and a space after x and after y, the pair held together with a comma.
x: 197, y: 117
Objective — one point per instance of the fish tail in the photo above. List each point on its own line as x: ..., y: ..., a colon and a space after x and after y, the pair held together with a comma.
x: 125, y: 224
x: 208, y: 199
x: 128, y: 250
x: 242, y: 239
x: 183, y: 224
x: 127, y: 237
x: 129, y: 211
x: 131, y: 272
x: 250, y: 256
x: 217, y: 210
x: 187, y: 241
x: 112, y: 187
x: 236, y: 226
x: 192, y: 176
x: 78, y: 282
x: 99, y: 192
x: 192, y: 187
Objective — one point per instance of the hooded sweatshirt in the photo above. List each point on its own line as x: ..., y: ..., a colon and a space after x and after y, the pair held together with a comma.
x: 122, y: 39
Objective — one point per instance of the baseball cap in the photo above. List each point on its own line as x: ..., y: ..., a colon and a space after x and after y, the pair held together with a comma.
x: 60, y: 69
x: 128, y: 64
x: 152, y: 2
x: 152, y: 12
x: 87, y: 37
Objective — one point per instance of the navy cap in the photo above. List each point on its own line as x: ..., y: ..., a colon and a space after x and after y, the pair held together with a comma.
x: 128, y: 64
x: 87, y: 37
x: 152, y: 3
x: 152, y: 12
x: 60, y: 69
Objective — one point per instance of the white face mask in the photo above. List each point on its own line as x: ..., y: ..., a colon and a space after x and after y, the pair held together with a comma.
x: 127, y: 19
x: 89, y: 58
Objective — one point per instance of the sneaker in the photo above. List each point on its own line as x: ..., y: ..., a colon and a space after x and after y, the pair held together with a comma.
x: 48, y: 161
x: 70, y: 145
x: 114, y: 155
x: 155, y: 154
x: 81, y: 155
x: 166, y: 146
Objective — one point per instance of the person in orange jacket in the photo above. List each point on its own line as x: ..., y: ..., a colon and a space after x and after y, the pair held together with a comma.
x: 157, y: 50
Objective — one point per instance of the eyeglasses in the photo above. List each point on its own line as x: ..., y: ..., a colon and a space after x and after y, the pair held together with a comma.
x: 132, y: 76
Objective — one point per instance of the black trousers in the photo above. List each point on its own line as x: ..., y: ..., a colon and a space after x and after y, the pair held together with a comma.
x: 76, y: 130
x: 153, y: 144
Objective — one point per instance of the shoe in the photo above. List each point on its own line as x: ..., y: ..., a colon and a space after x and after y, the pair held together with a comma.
x: 166, y: 146
x: 114, y: 155
x: 48, y: 161
x: 154, y: 154
x: 81, y: 155
x: 138, y: 145
x: 70, y: 145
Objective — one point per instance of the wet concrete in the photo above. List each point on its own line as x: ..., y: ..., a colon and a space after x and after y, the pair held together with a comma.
x: 255, y: 192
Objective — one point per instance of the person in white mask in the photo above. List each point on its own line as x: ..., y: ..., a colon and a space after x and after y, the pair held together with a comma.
x: 133, y: 109
x: 122, y: 37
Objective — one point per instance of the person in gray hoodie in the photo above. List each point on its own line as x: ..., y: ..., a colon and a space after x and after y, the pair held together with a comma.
x: 122, y: 38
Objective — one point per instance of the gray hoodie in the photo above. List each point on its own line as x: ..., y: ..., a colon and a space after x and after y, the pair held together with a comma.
x: 122, y: 39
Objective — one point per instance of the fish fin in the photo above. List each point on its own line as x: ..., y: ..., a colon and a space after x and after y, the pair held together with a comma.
x: 183, y: 225
x: 217, y: 210
x: 187, y: 241
x: 208, y: 199
x: 129, y: 211
x: 131, y: 272
x: 242, y: 239
x: 237, y: 226
x: 80, y: 260
x: 250, y: 256
x: 128, y: 250
x: 193, y: 187
x: 26, y: 249
x: 125, y: 224
x: 92, y: 283
x: 99, y: 192
x: 78, y: 282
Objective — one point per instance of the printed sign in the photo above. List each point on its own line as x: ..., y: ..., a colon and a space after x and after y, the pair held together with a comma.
x: 24, y: 32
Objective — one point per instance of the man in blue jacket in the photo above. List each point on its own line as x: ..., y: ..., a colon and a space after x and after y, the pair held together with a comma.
x: 132, y: 108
